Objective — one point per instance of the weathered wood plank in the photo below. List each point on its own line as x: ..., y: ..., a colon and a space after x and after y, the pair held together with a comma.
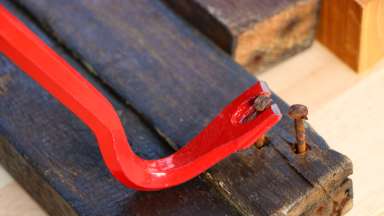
x: 140, y: 46
x: 56, y: 159
x: 257, y: 34
x: 354, y: 31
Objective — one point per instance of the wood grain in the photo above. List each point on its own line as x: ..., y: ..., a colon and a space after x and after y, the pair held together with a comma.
x: 134, y: 59
x: 256, y: 34
x: 56, y: 159
x: 354, y: 31
x: 318, y: 66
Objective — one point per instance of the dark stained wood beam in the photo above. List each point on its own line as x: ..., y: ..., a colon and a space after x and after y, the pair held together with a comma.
x: 178, y: 82
x: 54, y: 156
x: 257, y: 34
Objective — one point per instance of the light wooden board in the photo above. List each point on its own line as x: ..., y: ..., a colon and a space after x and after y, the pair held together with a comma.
x: 354, y: 31
x: 330, y: 86
x: 358, y: 133
x: 314, y: 78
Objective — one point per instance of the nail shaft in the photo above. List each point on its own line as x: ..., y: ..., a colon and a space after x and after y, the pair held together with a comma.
x: 301, y: 145
x: 261, y: 103
x: 299, y: 113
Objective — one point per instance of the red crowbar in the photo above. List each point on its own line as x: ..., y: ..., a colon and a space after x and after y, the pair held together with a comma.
x: 227, y: 133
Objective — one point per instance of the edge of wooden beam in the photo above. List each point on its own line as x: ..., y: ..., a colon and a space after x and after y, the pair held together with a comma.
x: 272, y: 40
x: 25, y: 174
x: 255, y: 40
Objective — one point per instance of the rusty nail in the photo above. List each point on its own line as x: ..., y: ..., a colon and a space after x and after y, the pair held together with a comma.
x: 261, y: 103
x: 299, y: 113
x: 261, y: 142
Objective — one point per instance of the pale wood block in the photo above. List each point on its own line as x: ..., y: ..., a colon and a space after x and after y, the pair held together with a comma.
x: 372, y: 38
x: 354, y: 31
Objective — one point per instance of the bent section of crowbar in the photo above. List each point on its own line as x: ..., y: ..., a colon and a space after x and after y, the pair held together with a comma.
x: 227, y: 133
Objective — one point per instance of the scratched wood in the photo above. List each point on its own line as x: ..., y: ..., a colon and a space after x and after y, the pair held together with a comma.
x: 144, y: 65
x: 257, y: 34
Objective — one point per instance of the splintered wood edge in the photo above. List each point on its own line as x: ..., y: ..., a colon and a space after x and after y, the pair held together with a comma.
x: 323, y: 193
x: 32, y: 182
x: 324, y: 188
x: 284, y: 34
x: 338, y: 202
x: 333, y: 193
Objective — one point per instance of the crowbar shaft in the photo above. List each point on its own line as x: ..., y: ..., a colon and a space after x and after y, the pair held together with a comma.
x: 224, y: 135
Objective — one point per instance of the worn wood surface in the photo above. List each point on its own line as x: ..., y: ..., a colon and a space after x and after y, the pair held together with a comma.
x: 345, y: 133
x: 55, y: 156
x: 257, y: 34
x: 62, y: 161
x: 176, y: 57
x: 354, y: 31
